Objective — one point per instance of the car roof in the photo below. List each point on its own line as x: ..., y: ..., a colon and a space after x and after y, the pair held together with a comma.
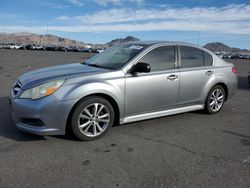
x: 149, y: 43
x: 153, y: 43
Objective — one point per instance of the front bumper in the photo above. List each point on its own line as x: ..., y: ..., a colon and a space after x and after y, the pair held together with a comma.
x: 51, y: 111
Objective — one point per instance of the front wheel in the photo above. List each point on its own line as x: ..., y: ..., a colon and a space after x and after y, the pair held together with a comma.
x: 215, y: 100
x: 92, y: 118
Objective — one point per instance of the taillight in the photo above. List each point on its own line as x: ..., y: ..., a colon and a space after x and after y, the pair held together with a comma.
x: 234, y: 70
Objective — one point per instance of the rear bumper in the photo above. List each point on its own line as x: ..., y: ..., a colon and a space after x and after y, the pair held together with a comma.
x: 232, y: 87
x: 52, y: 112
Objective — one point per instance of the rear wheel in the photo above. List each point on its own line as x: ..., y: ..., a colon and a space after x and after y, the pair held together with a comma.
x: 92, y: 118
x: 215, y: 100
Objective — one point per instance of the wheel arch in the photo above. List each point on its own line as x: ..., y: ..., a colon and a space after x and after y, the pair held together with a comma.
x: 224, y: 86
x: 109, y: 98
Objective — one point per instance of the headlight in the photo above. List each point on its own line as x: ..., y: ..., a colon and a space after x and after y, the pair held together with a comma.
x: 42, y: 90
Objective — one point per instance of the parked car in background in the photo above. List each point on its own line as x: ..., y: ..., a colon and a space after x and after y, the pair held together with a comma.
x: 99, y: 50
x: 80, y: 49
x: 69, y: 49
x: 1, y: 45
x: 15, y: 46
x: 22, y: 47
x: 11, y: 46
x: 51, y: 48
x: 29, y: 47
x: 62, y: 48
x: 93, y: 50
x: 72, y: 49
x: 125, y: 83
x: 39, y: 47
x: 5, y: 46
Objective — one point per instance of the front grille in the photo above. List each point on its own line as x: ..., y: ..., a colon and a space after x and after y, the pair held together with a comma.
x: 17, y: 87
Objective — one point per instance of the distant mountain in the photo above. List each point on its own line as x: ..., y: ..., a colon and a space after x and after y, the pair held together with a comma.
x: 30, y: 38
x: 122, y: 40
x: 220, y: 47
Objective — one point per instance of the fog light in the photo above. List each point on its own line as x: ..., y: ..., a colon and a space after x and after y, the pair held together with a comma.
x: 32, y: 122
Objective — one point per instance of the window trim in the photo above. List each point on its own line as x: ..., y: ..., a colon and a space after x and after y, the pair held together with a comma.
x: 198, y: 67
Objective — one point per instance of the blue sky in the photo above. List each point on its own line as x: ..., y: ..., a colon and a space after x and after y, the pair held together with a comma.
x: 99, y: 21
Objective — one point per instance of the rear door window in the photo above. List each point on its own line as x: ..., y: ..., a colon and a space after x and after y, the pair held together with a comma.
x: 194, y: 57
x: 208, y: 59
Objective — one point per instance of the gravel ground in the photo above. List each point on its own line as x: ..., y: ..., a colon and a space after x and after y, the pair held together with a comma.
x: 186, y: 150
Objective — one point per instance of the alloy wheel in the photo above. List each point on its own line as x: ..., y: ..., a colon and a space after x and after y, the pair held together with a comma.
x: 216, y: 100
x: 94, y: 119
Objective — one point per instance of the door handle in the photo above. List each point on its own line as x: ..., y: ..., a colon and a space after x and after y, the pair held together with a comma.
x: 172, y: 77
x: 209, y: 72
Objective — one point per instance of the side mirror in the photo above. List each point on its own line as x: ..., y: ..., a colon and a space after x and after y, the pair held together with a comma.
x: 140, y: 67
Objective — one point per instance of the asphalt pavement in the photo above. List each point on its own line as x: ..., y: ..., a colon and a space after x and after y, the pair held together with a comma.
x: 186, y: 150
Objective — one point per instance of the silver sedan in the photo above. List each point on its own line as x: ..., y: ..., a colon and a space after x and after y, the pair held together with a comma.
x: 125, y: 83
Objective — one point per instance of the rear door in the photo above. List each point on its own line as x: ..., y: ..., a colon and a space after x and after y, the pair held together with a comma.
x: 196, y: 69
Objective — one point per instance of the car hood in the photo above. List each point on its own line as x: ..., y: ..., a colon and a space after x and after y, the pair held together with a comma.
x: 40, y: 76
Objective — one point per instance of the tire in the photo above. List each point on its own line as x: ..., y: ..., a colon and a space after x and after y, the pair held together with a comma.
x: 215, y: 100
x: 92, y: 118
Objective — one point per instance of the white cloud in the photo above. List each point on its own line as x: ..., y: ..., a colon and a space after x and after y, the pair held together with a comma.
x: 226, y: 27
x: 63, y: 18
x: 76, y: 2
x: 230, y: 13
x: 234, y: 19
x: 51, y: 5
x: 8, y: 16
x: 117, y: 2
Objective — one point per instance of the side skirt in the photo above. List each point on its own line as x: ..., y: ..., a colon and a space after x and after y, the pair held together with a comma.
x: 157, y: 114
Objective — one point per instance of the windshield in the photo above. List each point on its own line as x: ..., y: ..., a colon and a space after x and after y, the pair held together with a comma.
x: 115, y: 57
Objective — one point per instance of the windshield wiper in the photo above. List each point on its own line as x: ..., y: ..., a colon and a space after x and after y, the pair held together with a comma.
x: 98, y: 66
x: 94, y: 65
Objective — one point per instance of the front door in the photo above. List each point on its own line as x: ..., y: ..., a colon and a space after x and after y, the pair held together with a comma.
x: 156, y: 90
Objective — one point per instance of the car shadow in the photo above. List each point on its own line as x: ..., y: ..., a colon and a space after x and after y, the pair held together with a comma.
x: 7, y: 127
x: 244, y: 139
x: 243, y: 83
